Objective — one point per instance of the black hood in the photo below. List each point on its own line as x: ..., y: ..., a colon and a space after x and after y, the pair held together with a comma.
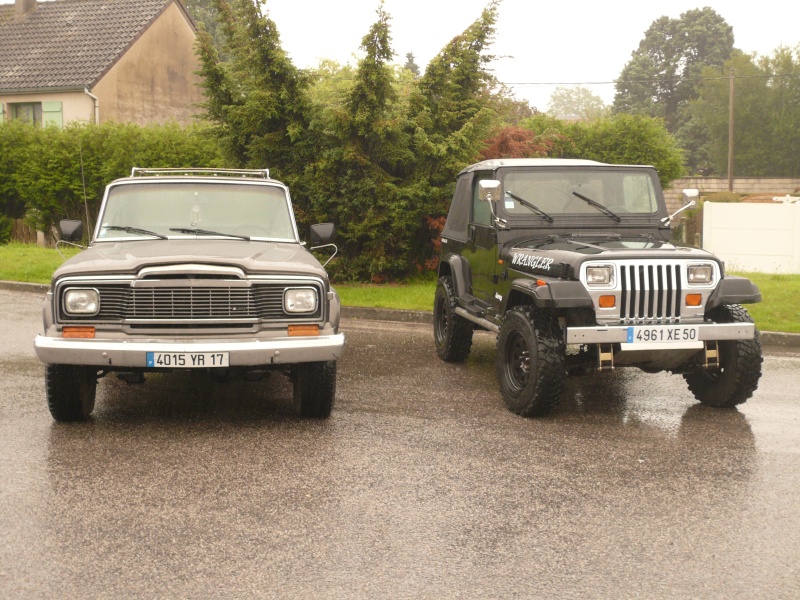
x: 561, y: 256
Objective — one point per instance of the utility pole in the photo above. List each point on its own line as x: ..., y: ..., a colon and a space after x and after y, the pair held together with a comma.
x: 730, y: 135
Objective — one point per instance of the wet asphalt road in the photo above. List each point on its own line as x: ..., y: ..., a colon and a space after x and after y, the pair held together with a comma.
x: 421, y: 484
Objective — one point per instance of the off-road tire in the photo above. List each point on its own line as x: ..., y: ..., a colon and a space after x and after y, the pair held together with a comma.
x: 739, y: 365
x: 452, y: 334
x: 314, y: 389
x: 70, y: 391
x: 531, y: 356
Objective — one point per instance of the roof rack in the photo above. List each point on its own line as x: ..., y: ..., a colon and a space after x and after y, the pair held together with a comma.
x: 262, y: 173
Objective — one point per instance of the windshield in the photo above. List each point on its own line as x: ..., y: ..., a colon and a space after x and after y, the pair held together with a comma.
x: 610, y: 192
x: 188, y: 209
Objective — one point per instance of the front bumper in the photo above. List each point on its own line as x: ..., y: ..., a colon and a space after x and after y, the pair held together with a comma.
x: 706, y: 332
x: 133, y: 354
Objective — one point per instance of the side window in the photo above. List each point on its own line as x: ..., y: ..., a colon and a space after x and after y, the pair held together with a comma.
x: 481, y: 211
x: 458, y: 217
x: 2, y: 112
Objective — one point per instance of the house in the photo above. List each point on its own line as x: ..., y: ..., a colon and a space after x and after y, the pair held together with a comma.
x: 97, y: 61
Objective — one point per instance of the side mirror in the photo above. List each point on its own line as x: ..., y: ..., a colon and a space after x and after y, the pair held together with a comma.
x: 689, y: 196
x: 489, y: 190
x: 322, y: 233
x: 71, y: 230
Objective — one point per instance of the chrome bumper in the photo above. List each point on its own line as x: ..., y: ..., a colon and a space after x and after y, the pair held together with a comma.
x: 619, y: 333
x: 116, y: 353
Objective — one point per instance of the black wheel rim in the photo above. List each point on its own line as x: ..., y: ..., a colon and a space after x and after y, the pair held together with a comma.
x: 518, y: 361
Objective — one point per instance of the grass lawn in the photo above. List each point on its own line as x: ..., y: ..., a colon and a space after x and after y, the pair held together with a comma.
x: 30, y: 263
x: 779, y: 310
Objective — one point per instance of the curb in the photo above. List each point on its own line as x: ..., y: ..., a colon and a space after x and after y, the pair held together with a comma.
x: 768, y: 338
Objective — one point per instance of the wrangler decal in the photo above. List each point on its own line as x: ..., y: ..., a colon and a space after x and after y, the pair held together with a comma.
x: 530, y: 261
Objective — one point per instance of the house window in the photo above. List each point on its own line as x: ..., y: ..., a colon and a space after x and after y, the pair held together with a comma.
x: 37, y: 113
x: 29, y: 112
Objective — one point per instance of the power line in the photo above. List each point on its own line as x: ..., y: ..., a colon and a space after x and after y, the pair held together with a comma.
x: 660, y: 80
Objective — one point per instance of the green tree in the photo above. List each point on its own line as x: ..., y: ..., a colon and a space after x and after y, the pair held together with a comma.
x: 452, y: 109
x: 662, y: 76
x: 632, y: 140
x: 411, y: 64
x: 205, y: 17
x: 15, y: 136
x: 354, y: 185
x: 619, y: 139
x: 376, y: 150
x: 766, y: 113
x: 258, y: 101
x: 576, y: 102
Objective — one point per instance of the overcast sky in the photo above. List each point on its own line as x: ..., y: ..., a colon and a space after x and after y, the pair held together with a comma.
x: 552, y: 42
x: 575, y: 41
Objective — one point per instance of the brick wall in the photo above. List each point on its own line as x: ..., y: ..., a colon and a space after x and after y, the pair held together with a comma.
x: 741, y: 185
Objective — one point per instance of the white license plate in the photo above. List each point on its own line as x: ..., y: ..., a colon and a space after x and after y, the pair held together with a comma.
x: 187, y: 360
x: 664, y: 334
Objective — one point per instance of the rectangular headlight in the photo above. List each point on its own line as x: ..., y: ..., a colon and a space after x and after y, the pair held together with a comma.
x: 300, y: 300
x: 81, y: 301
x: 700, y: 274
x: 600, y: 275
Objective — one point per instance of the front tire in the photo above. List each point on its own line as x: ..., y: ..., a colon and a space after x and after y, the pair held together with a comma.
x: 315, y: 389
x: 70, y: 391
x: 736, y: 378
x: 531, y: 353
x: 451, y: 334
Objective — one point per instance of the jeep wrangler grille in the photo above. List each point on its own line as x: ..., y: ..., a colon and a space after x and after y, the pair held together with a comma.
x: 650, y: 292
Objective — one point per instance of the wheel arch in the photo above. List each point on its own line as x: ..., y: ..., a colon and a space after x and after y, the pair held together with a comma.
x: 457, y: 268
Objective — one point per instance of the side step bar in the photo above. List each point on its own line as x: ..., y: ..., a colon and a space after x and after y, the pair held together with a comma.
x: 479, y: 321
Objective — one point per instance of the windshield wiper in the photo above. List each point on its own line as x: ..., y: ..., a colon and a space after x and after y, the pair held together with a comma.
x: 135, y: 230
x: 598, y: 206
x: 207, y: 232
x: 530, y: 205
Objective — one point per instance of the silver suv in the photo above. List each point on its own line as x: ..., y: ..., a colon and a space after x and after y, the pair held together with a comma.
x: 191, y: 269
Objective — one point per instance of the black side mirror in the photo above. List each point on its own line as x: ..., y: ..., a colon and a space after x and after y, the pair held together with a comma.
x: 322, y: 233
x: 71, y: 230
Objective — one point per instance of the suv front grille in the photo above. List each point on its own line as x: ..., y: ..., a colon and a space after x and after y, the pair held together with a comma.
x: 161, y: 304
x: 650, y: 292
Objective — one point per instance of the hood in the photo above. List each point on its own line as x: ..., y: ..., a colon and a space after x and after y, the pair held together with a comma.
x: 253, y: 257
x: 560, y: 256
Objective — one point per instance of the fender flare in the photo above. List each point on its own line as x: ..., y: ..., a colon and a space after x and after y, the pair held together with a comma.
x: 734, y: 290
x: 461, y: 274
x: 554, y: 294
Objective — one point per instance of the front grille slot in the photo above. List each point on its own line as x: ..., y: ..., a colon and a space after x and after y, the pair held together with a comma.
x: 650, y: 292
x: 191, y: 303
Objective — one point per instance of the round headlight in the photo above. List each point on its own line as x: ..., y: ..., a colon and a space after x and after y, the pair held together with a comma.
x: 300, y: 300
x: 81, y: 302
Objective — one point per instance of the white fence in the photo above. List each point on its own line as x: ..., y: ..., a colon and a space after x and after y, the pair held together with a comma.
x: 757, y: 237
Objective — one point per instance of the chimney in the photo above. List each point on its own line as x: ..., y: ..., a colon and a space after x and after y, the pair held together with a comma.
x: 22, y: 8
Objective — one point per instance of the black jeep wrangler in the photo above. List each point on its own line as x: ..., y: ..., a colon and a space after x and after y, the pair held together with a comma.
x: 570, y: 262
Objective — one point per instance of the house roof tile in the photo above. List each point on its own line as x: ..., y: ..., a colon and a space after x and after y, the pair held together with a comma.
x: 69, y: 43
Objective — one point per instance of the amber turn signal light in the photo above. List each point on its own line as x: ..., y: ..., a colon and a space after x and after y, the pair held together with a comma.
x: 608, y: 301
x: 694, y: 299
x: 77, y: 332
x: 303, y: 330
